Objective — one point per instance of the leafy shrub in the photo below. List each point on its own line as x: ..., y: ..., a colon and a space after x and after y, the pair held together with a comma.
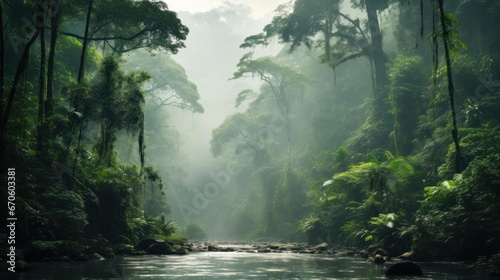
x: 195, y: 232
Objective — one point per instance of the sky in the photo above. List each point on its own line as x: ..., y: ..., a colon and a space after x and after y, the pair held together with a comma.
x: 260, y: 7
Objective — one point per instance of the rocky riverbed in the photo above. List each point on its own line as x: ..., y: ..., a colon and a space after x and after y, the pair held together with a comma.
x: 277, y: 247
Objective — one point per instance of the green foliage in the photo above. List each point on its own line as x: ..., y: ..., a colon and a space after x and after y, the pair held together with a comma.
x: 54, y: 249
x: 154, y: 193
x: 307, y: 19
x: 255, y: 40
x: 161, y: 29
x: 64, y: 211
x: 68, y: 50
x: 455, y: 44
x: 461, y: 216
x: 407, y: 87
x: 22, y: 118
x: 175, y: 239
x: 355, y: 205
x: 269, y: 71
x: 169, y: 84
x: 74, y: 192
x: 312, y: 228
x: 195, y: 232
x: 118, y: 191
x: 117, y: 105
x: 342, y: 160
x: 150, y: 227
x: 288, y: 202
x: 246, y: 138
x: 382, y: 227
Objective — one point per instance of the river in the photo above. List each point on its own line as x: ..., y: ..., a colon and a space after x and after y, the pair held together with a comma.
x: 232, y: 265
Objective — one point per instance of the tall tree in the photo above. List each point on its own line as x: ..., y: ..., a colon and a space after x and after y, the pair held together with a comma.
x: 169, y: 84
x: 129, y: 30
x: 21, y: 68
x: 281, y: 82
x: 372, y: 7
x: 81, y: 71
x: 2, y: 60
x: 343, y: 39
x: 305, y: 22
x: 54, y: 26
x: 41, y: 127
x: 451, y: 88
x: 118, y: 105
x: 127, y: 25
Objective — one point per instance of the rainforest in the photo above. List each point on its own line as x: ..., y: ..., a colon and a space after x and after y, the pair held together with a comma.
x: 336, y: 139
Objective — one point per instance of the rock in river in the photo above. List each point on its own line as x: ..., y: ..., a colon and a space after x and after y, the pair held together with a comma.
x: 160, y: 248
x: 404, y: 268
x: 321, y: 247
x: 145, y: 243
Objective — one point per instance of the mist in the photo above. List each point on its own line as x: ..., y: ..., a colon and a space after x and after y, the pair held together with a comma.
x: 360, y: 128
x: 210, y: 57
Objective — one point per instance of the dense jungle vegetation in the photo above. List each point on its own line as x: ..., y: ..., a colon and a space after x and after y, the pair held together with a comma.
x: 376, y: 125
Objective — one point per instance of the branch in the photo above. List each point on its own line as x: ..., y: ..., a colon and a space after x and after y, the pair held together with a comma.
x: 357, y: 27
x: 351, y: 57
x: 99, y: 28
x: 128, y: 50
x: 107, y: 38
x: 155, y: 87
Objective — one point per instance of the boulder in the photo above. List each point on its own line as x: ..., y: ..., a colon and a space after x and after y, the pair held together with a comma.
x: 41, y: 250
x: 22, y: 266
x: 180, y: 250
x: 407, y: 256
x: 320, y: 247
x: 381, y: 252
x: 82, y: 257
x: 213, y: 248
x: 96, y: 256
x: 226, y: 249
x: 145, y: 243
x: 404, y: 268
x: 378, y: 259
x: 160, y: 248
x: 123, y: 249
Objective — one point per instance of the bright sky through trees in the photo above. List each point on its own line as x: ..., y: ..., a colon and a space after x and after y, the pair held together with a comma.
x: 260, y: 7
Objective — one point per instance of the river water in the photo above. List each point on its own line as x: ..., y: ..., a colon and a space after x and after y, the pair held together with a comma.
x: 232, y: 265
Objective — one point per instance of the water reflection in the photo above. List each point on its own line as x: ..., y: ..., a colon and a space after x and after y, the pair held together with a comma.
x: 231, y: 265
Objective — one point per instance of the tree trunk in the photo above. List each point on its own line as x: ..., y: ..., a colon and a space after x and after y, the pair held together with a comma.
x: 379, y: 60
x: 50, y: 67
x: 85, y: 43
x: 327, y: 32
x: 81, y: 74
x: 451, y: 90
x: 40, y: 139
x: 21, y: 68
x: 2, y: 61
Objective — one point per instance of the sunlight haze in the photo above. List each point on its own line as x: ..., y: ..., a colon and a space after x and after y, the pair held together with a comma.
x: 260, y: 7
